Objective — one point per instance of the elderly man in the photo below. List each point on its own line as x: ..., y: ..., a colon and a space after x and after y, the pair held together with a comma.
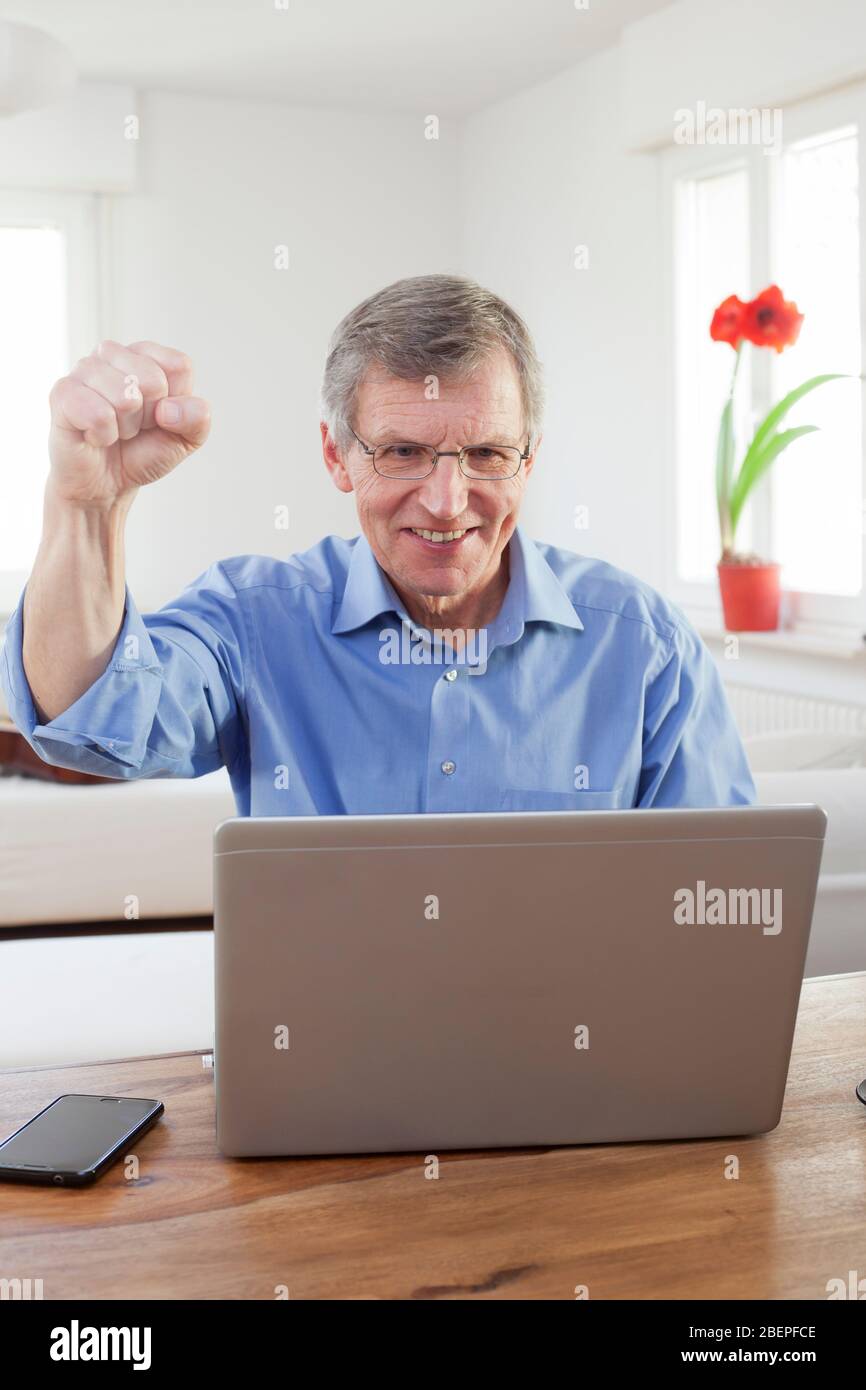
x: 442, y: 660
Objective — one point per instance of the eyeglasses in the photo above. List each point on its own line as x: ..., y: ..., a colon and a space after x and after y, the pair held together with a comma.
x: 490, y: 462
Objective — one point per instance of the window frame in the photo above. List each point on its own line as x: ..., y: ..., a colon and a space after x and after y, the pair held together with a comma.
x: 78, y: 217
x: 806, y: 612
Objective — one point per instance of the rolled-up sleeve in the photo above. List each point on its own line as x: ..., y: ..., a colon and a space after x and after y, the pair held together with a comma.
x: 170, y: 702
x: 692, y: 751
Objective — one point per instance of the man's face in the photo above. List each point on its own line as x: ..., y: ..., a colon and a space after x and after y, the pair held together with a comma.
x: 486, y: 409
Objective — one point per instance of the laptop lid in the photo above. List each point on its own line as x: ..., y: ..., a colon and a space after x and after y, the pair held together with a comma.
x: 432, y: 982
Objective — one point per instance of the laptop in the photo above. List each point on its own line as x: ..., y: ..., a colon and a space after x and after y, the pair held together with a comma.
x: 431, y: 982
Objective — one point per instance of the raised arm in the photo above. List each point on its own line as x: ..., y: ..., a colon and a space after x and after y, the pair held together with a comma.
x: 125, y: 416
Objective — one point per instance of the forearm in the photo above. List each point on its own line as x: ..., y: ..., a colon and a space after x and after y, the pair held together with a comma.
x: 73, y: 606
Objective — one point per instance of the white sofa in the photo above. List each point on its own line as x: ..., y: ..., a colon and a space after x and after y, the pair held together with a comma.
x: 142, y: 851
x: 108, y: 852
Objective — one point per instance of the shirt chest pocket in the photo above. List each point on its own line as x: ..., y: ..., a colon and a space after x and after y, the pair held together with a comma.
x: 516, y: 799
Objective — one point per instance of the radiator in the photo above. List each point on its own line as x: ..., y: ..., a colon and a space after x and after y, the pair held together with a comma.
x: 761, y: 711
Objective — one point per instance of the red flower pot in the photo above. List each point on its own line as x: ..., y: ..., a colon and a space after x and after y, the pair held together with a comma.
x: 750, y: 596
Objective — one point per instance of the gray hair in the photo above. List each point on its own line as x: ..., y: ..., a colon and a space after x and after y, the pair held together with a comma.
x: 426, y: 325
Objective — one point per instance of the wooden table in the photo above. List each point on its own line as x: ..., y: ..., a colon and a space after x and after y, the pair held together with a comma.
x: 642, y: 1221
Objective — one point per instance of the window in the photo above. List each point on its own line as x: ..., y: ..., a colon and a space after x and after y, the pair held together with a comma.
x: 713, y: 217
x: 816, y: 492
x: 742, y: 218
x: 47, y: 289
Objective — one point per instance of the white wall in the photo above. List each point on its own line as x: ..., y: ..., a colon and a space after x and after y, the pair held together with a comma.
x: 553, y: 165
x: 550, y: 167
x: 360, y: 201
x: 77, y: 144
x: 740, y: 53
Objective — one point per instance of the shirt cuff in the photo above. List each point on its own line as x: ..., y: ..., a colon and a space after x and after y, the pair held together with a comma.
x: 106, y: 729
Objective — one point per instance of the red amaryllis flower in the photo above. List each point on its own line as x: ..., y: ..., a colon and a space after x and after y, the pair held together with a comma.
x: 728, y: 320
x: 772, y: 321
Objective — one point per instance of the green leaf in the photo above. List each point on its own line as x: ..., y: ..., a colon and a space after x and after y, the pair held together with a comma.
x: 755, y: 464
x: 759, y: 463
x: 725, y: 460
x: 778, y: 413
x: 725, y: 468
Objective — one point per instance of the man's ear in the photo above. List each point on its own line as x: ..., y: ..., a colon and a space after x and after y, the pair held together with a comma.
x: 334, y: 462
x: 528, y: 466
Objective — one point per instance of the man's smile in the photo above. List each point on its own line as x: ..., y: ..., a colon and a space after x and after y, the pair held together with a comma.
x: 439, y: 540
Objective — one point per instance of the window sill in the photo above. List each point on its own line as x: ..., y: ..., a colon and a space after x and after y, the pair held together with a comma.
x: 844, y: 644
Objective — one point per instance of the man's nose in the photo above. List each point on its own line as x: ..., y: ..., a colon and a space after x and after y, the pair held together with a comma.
x: 446, y: 491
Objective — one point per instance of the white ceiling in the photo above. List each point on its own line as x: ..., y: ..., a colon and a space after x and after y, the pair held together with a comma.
x: 439, y: 57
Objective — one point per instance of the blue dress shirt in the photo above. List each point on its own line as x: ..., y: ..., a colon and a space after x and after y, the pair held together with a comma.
x: 309, y: 681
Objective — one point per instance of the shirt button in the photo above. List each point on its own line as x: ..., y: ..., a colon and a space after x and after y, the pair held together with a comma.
x: 451, y: 675
x: 448, y: 767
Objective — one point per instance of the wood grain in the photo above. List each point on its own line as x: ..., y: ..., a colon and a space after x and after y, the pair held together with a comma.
x: 644, y: 1221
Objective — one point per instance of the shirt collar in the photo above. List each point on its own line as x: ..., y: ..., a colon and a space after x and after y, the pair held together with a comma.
x: 534, y: 593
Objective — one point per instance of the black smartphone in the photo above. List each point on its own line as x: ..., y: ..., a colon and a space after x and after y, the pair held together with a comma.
x: 75, y: 1138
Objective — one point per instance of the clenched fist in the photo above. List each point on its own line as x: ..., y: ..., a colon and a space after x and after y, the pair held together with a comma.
x: 123, y: 417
